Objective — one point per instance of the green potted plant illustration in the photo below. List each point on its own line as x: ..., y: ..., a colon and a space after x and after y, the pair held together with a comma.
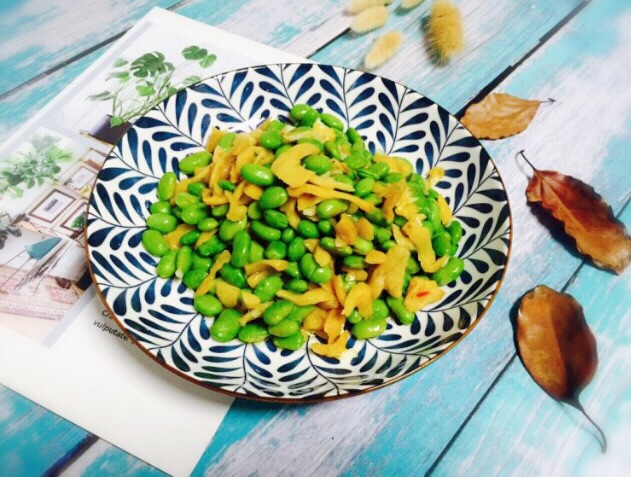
x: 140, y: 84
x: 25, y: 170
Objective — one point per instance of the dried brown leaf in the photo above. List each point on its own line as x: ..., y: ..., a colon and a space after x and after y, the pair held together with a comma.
x: 500, y: 115
x: 556, y: 345
x: 587, y: 218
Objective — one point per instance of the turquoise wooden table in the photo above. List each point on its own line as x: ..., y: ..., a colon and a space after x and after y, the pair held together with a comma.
x: 475, y: 410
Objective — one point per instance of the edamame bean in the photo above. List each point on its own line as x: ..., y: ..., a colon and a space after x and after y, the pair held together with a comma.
x: 193, y: 213
x: 254, y: 211
x: 433, y: 213
x: 268, y: 287
x: 195, y: 161
x: 284, y: 328
x: 227, y: 185
x: 161, y: 207
x: 332, y: 149
x: 154, y: 242
x: 374, y: 199
x: 297, y: 285
x: 364, y: 187
x: 212, y: 246
x: 275, y: 125
x: 277, y: 312
x: 318, y: 163
x: 271, y: 139
x: 207, y: 305
x: 354, y: 261
x: 382, y: 234
x: 298, y: 111
x: 379, y: 309
x: 228, y: 229
x: 184, y: 261
x: 226, y: 326
x: 354, y: 317
x: 184, y: 199
x: 400, y: 221
x: 344, y: 251
x: 315, y: 142
x: 253, y: 333
x: 362, y: 246
x: 276, y: 219
x: 207, y: 224
x: 299, y: 313
x: 265, y: 232
x: 276, y: 250
x: 413, y: 266
x: 393, y: 177
x: 404, y: 316
x: 189, y: 238
x: 326, y: 227
x: 441, y: 244
x: 256, y: 252
x: 219, y: 211
x: 166, y: 186
x: 376, y: 171
x: 288, y: 235
x: 194, y: 278
x: 309, y: 118
x: 196, y: 188
x: 164, y: 223
x: 296, y: 249
x: 307, y: 229
x: 273, y: 197
x: 388, y: 244
x: 449, y: 272
x: 328, y: 244
x: 353, y: 135
x: 343, y: 179
x: 455, y: 230
x: 367, y: 329
x: 257, y: 175
x: 308, y: 265
x: 428, y: 225
x: 321, y: 275
x: 201, y: 263
x: 233, y: 275
x: 355, y: 161
x: 240, y: 249
x: 332, y: 121
x: 281, y: 149
x: 293, y: 270
x: 329, y: 208
x: 292, y: 343
x: 226, y: 141
x: 166, y: 265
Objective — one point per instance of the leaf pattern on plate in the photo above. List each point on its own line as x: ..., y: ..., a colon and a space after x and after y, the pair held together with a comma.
x: 159, y: 313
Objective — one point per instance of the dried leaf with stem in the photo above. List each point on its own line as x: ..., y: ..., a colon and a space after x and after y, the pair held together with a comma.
x: 500, y: 115
x: 556, y: 346
x: 587, y: 218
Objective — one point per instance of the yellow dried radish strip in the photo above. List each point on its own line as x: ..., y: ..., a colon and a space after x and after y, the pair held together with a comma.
x: 201, y: 175
x: 173, y: 237
x: 261, y: 265
x: 434, y: 175
x: 370, y: 19
x: 377, y: 281
x: 359, y: 297
x: 332, y: 301
x: 205, y: 237
x: 393, y: 194
x: 311, y: 297
x: 382, y: 49
x: 212, y: 198
x: 209, y: 281
x: 289, y: 208
x: 314, y: 321
x: 354, y: 274
x: 325, y: 193
x: 446, y: 215
x: 253, y: 191
x: 365, y: 229
x: 332, y: 350
x: 249, y: 300
x: 254, y: 313
x: 322, y: 257
x: 228, y: 294
x: 397, y: 260
x: 287, y: 167
x: 339, y: 288
x: 396, y: 164
x: 422, y: 241
x: 334, y: 325
x: 422, y: 292
x: 345, y: 230
x: 330, y: 183
x: 401, y: 239
x: 256, y: 278
x: 375, y: 257
x: 213, y: 139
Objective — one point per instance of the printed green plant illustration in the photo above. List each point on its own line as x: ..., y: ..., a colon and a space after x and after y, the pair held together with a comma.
x: 78, y: 222
x: 25, y: 170
x: 140, y: 84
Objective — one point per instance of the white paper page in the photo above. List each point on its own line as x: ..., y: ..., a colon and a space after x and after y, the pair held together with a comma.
x: 68, y: 356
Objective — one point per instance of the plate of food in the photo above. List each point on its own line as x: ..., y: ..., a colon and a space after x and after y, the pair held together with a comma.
x: 297, y: 232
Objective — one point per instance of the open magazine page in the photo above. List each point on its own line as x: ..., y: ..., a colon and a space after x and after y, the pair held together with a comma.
x: 58, y: 346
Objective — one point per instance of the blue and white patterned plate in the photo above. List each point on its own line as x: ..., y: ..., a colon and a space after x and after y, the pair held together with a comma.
x: 158, y: 314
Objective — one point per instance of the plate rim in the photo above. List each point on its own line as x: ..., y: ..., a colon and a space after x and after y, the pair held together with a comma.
x: 281, y: 400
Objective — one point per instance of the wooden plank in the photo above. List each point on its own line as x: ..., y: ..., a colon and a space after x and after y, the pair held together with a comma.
x: 407, y: 425
x: 27, y: 445
x: 545, y: 437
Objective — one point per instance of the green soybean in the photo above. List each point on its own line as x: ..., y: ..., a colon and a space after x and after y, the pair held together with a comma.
x: 393, y: 177
x: 256, y: 252
x: 253, y: 333
x: 227, y: 185
x: 413, y: 266
x: 379, y: 309
x: 194, y: 213
x: 184, y: 199
x: 449, y: 272
x: 293, y: 270
x: 281, y: 149
x: 228, y: 229
x: 315, y: 142
x: 455, y: 230
x: 441, y: 244
x: 161, y: 207
x: 355, y: 262
x: 318, y: 163
x: 376, y: 171
x: 354, y: 317
x: 296, y: 249
x: 201, y: 263
x: 332, y: 121
x: 353, y: 135
x: 268, y: 287
x: 308, y: 265
x: 293, y: 342
x: 207, y: 305
x: 207, y: 224
x: 233, y: 275
x: 400, y: 221
x: 329, y: 208
x: 404, y: 316
x: 299, y: 313
x: 219, y: 211
x: 166, y: 186
x: 271, y: 139
x: 332, y: 149
x: 364, y: 187
x: 154, y: 242
x: 276, y: 250
x: 226, y: 326
x: 343, y: 179
x: 309, y: 118
x: 277, y: 312
x: 264, y: 232
x: 164, y: 223
x: 184, y: 261
x: 273, y: 197
x: 275, y: 125
x: 257, y: 175
x: 196, y: 188
x: 326, y: 227
x: 166, y: 265
x: 254, y: 211
x: 212, y: 246
x: 194, y: 278
x: 367, y: 329
x: 328, y: 244
x: 382, y: 234
x: 195, y: 161
x: 298, y: 111
x: 321, y: 275
x: 362, y: 246
x: 288, y: 235
x: 284, y: 328
x: 297, y: 285
x: 356, y: 161
x: 388, y: 244
x: 190, y: 238
x: 307, y: 229
x: 433, y: 213
x: 276, y: 219
x: 240, y: 249
x: 226, y: 141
